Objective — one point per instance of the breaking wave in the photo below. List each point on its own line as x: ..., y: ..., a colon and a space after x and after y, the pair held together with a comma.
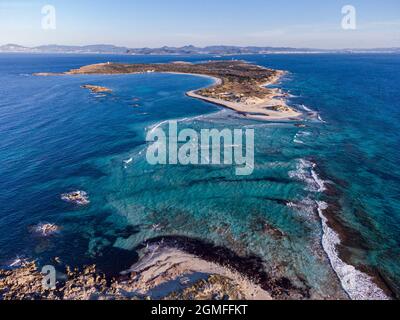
x: 17, y: 262
x: 305, y: 171
x: 154, y: 127
x: 358, y: 285
x: 306, y: 207
x: 299, y: 135
x: 311, y: 113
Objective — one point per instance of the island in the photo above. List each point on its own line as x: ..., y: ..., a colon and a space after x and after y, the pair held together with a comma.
x: 238, y: 85
x: 96, y: 89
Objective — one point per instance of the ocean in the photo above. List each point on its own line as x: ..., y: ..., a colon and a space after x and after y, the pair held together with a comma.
x: 322, y: 207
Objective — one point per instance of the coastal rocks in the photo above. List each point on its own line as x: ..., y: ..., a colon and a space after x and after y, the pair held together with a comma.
x: 85, y: 285
x: 24, y: 283
x: 45, y: 229
x: 261, y: 226
x: 77, y: 197
x: 280, y: 108
x: 170, y: 269
x: 96, y: 89
x: 215, y: 287
x: 272, y: 231
x: 18, y: 262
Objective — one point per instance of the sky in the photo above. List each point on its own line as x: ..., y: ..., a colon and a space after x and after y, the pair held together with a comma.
x: 155, y: 23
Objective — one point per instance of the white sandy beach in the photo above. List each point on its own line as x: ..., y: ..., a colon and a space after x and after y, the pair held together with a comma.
x: 254, y: 108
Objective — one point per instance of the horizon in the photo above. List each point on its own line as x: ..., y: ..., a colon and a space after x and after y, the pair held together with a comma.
x: 201, y: 47
x: 261, y: 23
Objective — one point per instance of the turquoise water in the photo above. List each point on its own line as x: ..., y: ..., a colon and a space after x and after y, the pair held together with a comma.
x: 57, y: 137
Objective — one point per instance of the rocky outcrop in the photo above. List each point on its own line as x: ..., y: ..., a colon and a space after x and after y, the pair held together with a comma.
x: 96, y: 89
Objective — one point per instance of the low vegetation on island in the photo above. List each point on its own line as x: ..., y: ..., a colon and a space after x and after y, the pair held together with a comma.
x: 239, y: 85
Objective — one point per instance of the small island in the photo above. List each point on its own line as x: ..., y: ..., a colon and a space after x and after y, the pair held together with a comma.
x: 96, y: 89
x: 239, y: 85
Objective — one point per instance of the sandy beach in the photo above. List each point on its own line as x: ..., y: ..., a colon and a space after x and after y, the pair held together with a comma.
x: 261, y: 109
x: 271, y: 108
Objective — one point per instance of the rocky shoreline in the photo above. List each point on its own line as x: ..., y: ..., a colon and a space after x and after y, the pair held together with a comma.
x: 170, y: 268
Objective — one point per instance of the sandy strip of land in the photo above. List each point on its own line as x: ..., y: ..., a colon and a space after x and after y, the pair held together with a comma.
x: 260, y: 109
x: 271, y: 108
x: 163, y: 264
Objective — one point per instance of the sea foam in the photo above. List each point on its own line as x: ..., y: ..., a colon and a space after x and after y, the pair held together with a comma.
x: 305, y: 171
x: 358, y: 285
x: 312, y: 113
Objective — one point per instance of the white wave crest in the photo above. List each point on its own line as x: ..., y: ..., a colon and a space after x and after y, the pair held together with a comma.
x: 358, y: 285
x: 305, y: 108
x: 305, y: 171
x: 305, y: 207
x: 299, y: 135
x: 18, y: 262
x: 312, y: 113
x: 154, y: 127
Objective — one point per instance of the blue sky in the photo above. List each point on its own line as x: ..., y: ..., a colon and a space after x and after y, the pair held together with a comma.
x: 153, y: 23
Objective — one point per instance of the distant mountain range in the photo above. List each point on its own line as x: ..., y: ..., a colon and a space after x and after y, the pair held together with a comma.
x: 186, y: 50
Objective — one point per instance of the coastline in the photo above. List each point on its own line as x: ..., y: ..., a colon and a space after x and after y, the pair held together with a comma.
x: 230, y: 81
x: 258, y: 111
x: 169, y: 268
x: 161, y: 264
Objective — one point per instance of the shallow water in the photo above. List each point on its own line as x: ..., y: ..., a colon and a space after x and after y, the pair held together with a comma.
x: 57, y: 137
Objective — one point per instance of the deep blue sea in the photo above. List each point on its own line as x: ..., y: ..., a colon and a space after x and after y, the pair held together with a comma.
x: 334, y: 181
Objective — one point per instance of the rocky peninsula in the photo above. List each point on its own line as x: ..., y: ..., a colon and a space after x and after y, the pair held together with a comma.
x: 239, y: 85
